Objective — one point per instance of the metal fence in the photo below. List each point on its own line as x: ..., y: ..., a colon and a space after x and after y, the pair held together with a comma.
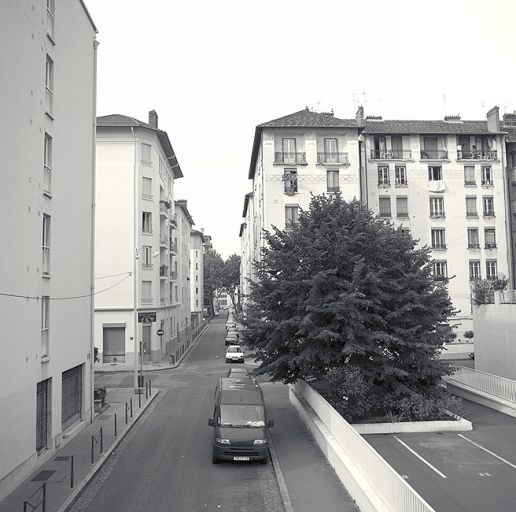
x: 486, y: 382
x: 380, y: 476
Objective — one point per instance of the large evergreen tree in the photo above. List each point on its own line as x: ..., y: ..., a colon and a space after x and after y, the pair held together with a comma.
x: 345, y: 294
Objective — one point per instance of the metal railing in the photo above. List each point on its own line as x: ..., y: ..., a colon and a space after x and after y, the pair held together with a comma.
x: 485, y: 382
x: 332, y: 158
x: 289, y: 158
x: 173, y: 247
x: 173, y: 219
x: 477, y: 155
x: 173, y: 275
x: 46, y: 260
x: 391, y: 154
x: 471, y: 213
x: 39, y: 498
x: 47, y: 178
x: 427, y: 154
x: 49, y: 101
x: 50, y: 24
x: 381, y: 477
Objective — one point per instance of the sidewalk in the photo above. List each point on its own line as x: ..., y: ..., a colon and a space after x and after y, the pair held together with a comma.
x: 56, y: 473
x: 307, y: 481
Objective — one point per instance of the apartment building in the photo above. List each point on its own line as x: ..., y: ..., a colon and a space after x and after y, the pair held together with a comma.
x: 443, y: 181
x: 509, y: 127
x: 182, y: 284
x: 137, y: 254
x: 48, y: 89
x: 248, y: 240
x: 196, y: 277
x: 296, y: 155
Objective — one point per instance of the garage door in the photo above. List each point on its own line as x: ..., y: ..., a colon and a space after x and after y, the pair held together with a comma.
x: 113, y: 350
x: 42, y: 393
x: 71, y: 396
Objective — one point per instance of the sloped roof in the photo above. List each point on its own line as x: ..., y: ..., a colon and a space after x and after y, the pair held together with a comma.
x: 511, y: 133
x: 427, y: 127
x: 307, y: 119
x: 118, y: 120
x: 182, y: 203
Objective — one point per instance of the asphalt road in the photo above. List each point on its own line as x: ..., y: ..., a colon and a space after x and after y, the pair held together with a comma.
x: 165, y: 463
x: 459, y: 472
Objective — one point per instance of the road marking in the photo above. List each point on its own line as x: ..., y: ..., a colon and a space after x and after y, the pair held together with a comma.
x: 419, y: 457
x: 488, y: 451
x: 485, y: 474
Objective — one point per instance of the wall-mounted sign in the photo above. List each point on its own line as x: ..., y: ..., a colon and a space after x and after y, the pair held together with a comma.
x: 147, y: 317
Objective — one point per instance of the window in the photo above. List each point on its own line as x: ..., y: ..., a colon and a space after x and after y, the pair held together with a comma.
x: 331, y: 151
x: 197, y: 266
x: 146, y: 222
x: 147, y: 188
x: 487, y: 175
x: 45, y: 306
x: 146, y: 153
x: 473, y: 242
x: 196, y: 278
x: 146, y: 256
x: 490, y: 238
x: 45, y: 245
x: 383, y: 175
x: 290, y: 181
x: 47, y: 166
x: 469, y: 175
x: 176, y: 296
x: 488, y: 204
x: 491, y: 272
x: 146, y: 292
x: 385, y: 206
x: 435, y: 173
x: 438, y: 239
x: 196, y: 290
x: 439, y: 270
x: 436, y: 207
x: 400, y: 175
x: 405, y: 231
x: 474, y: 269
x: 291, y: 216
x: 332, y: 180
x: 50, y: 17
x: 471, y: 206
x: 396, y: 146
x: 289, y: 151
x: 49, y: 85
x: 402, y: 207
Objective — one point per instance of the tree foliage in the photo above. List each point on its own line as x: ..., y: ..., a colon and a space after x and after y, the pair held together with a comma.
x: 344, y: 291
x: 230, y: 278
x: 482, y: 290
x: 212, y: 266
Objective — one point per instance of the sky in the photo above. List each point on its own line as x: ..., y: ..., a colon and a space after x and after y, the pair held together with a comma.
x: 213, y: 70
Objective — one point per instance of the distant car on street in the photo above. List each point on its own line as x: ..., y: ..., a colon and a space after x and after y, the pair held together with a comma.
x: 234, y: 354
x: 231, y: 338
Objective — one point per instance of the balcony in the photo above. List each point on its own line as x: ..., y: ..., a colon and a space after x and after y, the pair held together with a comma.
x: 402, y: 215
x: 385, y: 214
x: 47, y: 179
x: 333, y: 190
x: 163, y: 272
x: 490, y: 246
x: 474, y: 246
x: 173, y: 247
x: 477, y: 155
x: 437, y: 215
x: 46, y: 261
x: 333, y: 158
x: 173, y: 220
x: 290, y: 158
x: 439, y: 247
x: 428, y: 154
x: 470, y: 183
x: 163, y: 241
x: 487, y: 183
x: 472, y: 214
x: 173, y: 275
x: 489, y: 213
x: 384, y: 183
x: 391, y: 154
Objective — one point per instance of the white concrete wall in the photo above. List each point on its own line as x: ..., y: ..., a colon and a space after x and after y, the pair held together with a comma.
x: 495, y: 339
x: 22, y: 85
x: 196, y: 276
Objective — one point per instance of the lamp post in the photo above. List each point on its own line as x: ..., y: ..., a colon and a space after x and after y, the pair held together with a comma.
x: 135, y: 320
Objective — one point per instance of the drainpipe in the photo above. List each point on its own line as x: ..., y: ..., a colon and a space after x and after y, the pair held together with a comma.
x: 92, y: 255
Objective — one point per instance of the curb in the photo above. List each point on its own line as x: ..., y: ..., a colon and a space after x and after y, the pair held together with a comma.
x: 168, y: 367
x: 105, y: 456
x: 285, y: 496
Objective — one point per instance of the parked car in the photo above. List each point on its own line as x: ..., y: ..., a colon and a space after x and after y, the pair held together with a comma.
x: 231, y: 338
x: 239, y: 372
x: 239, y: 422
x: 234, y: 354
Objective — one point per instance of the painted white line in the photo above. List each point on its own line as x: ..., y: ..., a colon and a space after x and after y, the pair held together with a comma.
x: 488, y: 451
x: 419, y: 457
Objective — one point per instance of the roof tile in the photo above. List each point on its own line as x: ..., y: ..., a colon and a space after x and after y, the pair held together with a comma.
x: 434, y: 127
x: 308, y: 119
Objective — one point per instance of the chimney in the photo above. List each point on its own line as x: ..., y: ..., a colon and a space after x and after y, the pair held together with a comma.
x: 493, y: 120
x: 360, y: 116
x: 373, y: 118
x: 153, y: 118
x: 452, y: 119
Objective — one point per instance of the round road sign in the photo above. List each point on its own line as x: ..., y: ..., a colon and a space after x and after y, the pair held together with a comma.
x: 160, y: 332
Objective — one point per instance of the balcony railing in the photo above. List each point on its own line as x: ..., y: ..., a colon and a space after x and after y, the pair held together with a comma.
x: 173, y: 275
x: 332, y: 158
x: 163, y: 271
x: 391, y: 154
x: 163, y: 241
x: 50, y: 24
x: 384, y: 183
x: 173, y: 219
x: 49, y: 101
x: 477, y: 155
x: 173, y: 247
x: 290, y: 158
x: 333, y: 189
x: 439, y: 246
x: 47, y: 179
x: 402, y: 214
x: 46, y: 261
x: 490, y: 246
x: 437, y: 215
x: 487, y: 183
x: 489, y: 213
x: 385, y: 214
x: 471, y: 213
x: 427, y: 154
x: 470, y: 183
x: 474, y: 246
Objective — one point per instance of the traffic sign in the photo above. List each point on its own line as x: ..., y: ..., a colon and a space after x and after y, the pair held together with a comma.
x: 160, y: 332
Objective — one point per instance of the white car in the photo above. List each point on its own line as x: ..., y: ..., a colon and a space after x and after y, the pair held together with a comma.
x: 234, y: 354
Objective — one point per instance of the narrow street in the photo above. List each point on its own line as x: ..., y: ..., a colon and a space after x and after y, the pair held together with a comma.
x: 165, y: 463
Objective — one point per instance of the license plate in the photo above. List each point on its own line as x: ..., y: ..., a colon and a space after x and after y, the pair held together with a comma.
x: 240, y: 458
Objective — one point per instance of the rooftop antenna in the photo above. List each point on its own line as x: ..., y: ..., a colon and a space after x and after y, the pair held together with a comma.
x: 444, y: 104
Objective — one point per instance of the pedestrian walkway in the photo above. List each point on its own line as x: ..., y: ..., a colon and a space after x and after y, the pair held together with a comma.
x: 64, y: 477
x: 310, y: 483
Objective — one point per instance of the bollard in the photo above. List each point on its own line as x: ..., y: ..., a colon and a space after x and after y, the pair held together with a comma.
x: 146, y: 390
x: 115, y: 425
x: 131, y: 402
x: 150, y: 388
x: 101, y: 441
x: 126, y: 413
x: 139, y: 398
x: 71, y: 472
x: 44, y: 508
x: 93, y: 449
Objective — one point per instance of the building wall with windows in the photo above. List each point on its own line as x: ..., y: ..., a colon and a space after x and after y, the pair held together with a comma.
x: 444, y: 182
x: 196, y: 277
x: 248, y: 242
x: 48, y: 91
x: 135, y: 235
